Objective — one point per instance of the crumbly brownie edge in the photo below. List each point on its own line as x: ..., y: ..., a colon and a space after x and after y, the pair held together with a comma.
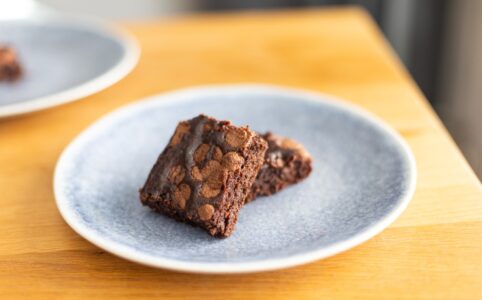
x: 286, y: 163
x: 239, y: 189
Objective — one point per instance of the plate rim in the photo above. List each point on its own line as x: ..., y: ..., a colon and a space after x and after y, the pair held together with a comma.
x: 96, y: 84
x: 133, y: 255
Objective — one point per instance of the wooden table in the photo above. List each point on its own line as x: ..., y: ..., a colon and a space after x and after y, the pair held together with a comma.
x: 434, y: 250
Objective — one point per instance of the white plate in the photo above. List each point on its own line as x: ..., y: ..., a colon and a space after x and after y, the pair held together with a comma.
x: 363, y: 178
x: 64, y: 59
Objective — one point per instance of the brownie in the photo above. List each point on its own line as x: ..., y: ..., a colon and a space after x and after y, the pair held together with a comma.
x: 205, y: 173
x: 10, y: 69
x: 286, y: 162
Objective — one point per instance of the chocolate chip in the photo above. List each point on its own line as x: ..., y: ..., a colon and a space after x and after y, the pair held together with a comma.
x: 217, y: 179
x: 205, y: 212
x: 177, y: 174
x: 217, y: 154
x: 290, y: 144
x: 211, y: 167
x: 295, y: 146
x: 214, y: 182
x: 207, y: 191
x: 196, y: 174
x: 232, y: 161
x: 200, y: 153
x: 182, y: 194
x: 236, y: 137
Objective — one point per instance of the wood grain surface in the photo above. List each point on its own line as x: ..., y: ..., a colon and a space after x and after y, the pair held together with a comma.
x: 434, y: 250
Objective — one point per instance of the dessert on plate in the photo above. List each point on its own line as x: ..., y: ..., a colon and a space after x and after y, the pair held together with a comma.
x: 205, y: 173
x: 10, y: 69
x: 210, y: 168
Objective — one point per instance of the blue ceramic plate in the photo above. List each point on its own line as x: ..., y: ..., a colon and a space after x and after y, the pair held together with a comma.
x: 363, y: 178
x: 63, y: 59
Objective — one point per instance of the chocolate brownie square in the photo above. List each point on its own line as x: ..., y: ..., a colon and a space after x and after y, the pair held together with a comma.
x: 205, y: 173
x: 286, y: 162
x: 9, y: 66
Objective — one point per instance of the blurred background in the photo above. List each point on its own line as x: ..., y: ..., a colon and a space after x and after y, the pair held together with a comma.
x: 439, y: 41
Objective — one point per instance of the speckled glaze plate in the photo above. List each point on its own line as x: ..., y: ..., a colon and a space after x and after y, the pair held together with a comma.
x: 64, y: 59
x: 363, y: 178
